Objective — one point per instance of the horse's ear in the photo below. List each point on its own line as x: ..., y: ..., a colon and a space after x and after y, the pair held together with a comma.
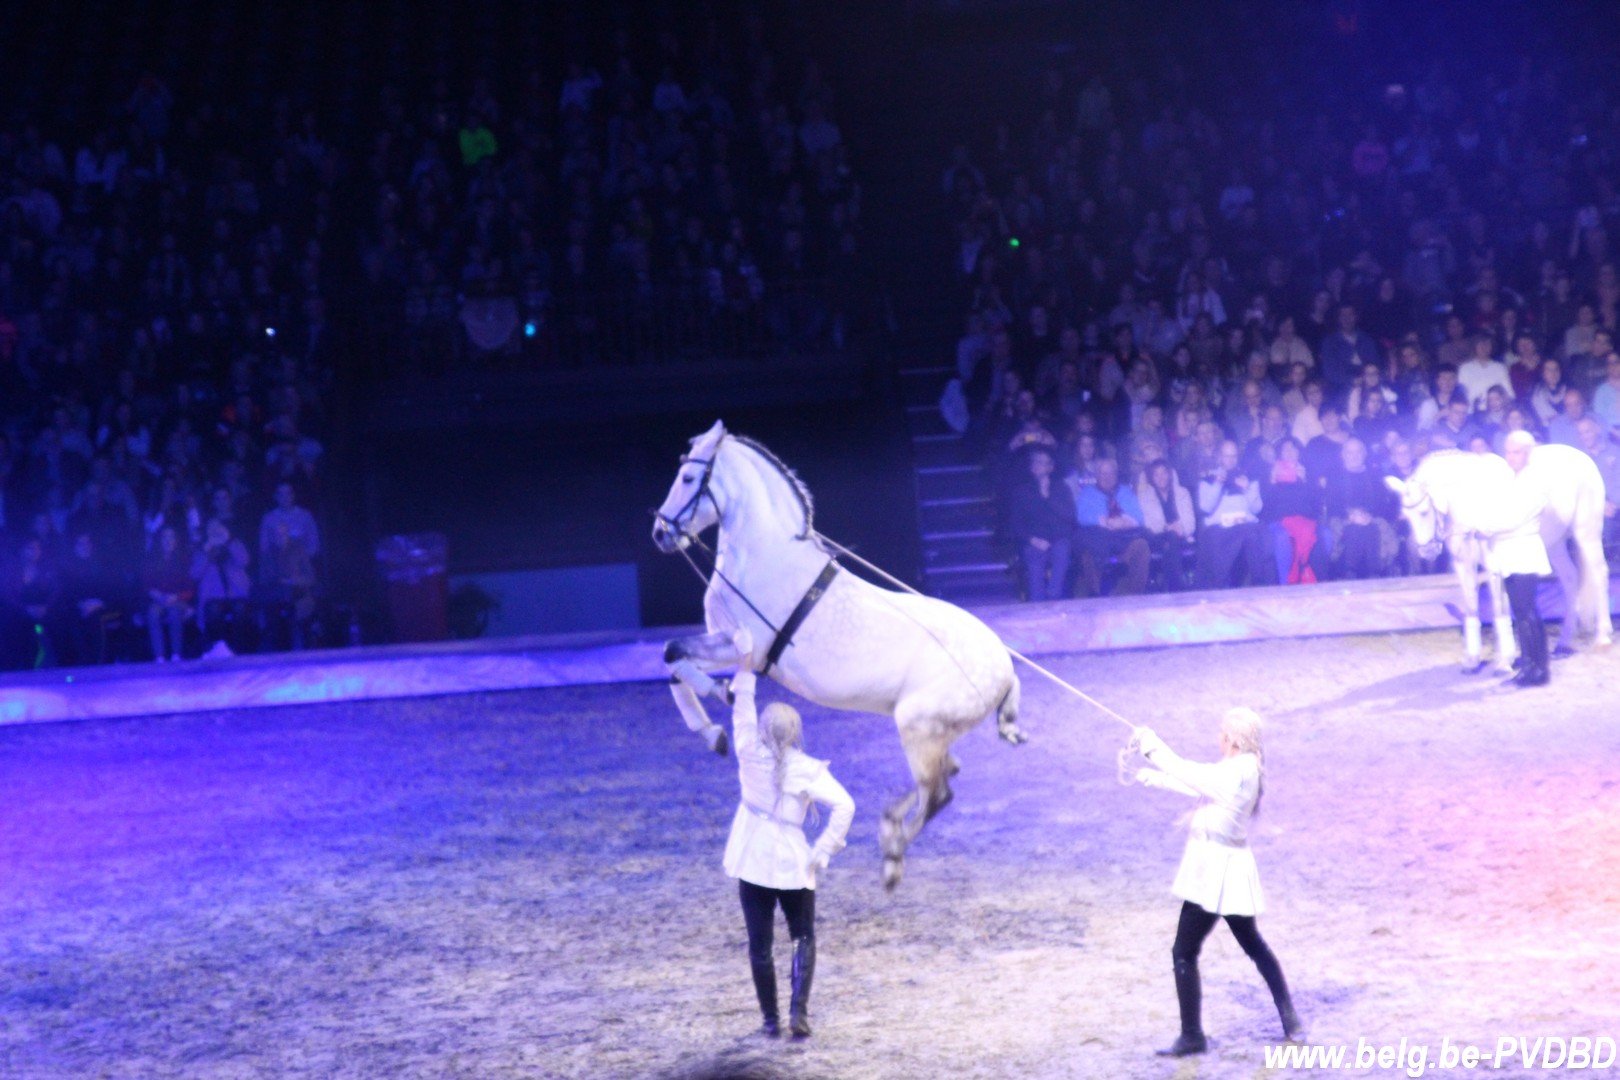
x: 1395, y: 484
x: 710, y: 437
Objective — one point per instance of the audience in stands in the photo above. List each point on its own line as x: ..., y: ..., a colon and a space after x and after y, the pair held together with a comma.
x: 1271, y: 311
x: 178, y: 226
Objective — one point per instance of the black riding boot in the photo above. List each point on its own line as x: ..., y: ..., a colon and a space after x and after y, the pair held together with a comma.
x: 1532, y: 635
x: 1293, y: 1029
x: 765, y: 989
x: 1190, y: 996
x: 1538, y: 653
x: 1271, y: 971
x: 804, y: 969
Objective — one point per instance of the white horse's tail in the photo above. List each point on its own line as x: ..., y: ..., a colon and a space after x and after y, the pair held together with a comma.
x: 1007, y: 713
x: 1586, y: 529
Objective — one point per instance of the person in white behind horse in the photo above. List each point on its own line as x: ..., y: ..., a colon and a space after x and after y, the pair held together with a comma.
x: 1520, y: 556
x: 1218, y: 877
x: 767, y: 852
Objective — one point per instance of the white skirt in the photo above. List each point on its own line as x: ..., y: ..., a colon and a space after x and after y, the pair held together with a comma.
x: 1222, y: 880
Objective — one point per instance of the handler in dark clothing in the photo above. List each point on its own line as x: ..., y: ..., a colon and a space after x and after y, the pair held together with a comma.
x: 1041, y: 519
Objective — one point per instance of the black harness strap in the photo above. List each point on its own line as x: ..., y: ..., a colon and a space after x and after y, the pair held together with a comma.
x: 807, y: 604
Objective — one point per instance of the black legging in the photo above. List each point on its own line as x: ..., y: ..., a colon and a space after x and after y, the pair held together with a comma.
x: 1527, y: 624
x: 759, y: 912
x: 1195, y: 925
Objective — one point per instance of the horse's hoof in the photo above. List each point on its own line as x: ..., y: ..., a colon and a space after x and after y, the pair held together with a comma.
x: 1474, y: 668
x: 893, y: 869
x: 1563, y: 652
x: 1602, y: 646
x: 1013, y: 736
x: 721, y: 744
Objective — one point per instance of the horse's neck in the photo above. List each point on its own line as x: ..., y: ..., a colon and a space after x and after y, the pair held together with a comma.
x: 745, y: 553
x: 759, y: 532
x: 1472, y: 492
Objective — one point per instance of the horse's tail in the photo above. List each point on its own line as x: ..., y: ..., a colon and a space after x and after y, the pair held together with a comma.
x: 1591, y: 565
x: 1007, y: 712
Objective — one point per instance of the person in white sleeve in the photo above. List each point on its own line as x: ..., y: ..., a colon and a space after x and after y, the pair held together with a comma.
x: 1218, y: 877
x: 767, y: 852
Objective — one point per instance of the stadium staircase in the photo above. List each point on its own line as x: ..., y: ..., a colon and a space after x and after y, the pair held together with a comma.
x: 963, y: 559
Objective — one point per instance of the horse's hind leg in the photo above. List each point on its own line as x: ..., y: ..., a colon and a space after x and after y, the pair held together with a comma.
x: 1569, y: 583
x: 892, y: 838
x: 927, y: 749
x: 1007, y: 715
x: 1595, y: 585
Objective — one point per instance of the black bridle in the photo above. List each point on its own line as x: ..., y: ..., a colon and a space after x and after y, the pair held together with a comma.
x: 1442, y: 520
x: 678, y: 524
x: 683, y: 517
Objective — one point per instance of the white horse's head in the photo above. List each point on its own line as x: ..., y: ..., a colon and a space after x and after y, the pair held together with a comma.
x: 690, y: 507
x: 1421, y: 513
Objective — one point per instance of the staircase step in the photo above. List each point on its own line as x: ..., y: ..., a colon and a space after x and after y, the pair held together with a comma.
x: 969, y: 593
x: 942, y: 470
x: 929, y: 423
x: 933, y: 487
x: 942, y: 452
x: 967, y: 568
x: 960, y: 500
x: 952, y: 517
x: 958, y: 534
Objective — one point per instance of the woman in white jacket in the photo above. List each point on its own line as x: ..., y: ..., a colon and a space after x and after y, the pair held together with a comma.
x: 1218, y: 877
x: 767, y: 851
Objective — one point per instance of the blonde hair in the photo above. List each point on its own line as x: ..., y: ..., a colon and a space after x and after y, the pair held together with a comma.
x: 784, y: 733
x: 1243, y: 727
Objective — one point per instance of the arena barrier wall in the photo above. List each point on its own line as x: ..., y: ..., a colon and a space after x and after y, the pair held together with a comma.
x: 1391, y: 605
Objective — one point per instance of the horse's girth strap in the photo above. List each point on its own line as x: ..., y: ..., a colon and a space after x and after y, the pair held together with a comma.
x: 807, y: 604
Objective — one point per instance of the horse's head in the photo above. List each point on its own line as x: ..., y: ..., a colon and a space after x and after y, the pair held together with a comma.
x: 1421, y: 513
x: 689, y: 508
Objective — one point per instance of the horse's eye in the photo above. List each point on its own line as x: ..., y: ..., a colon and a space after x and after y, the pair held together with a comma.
x: 687, y: 479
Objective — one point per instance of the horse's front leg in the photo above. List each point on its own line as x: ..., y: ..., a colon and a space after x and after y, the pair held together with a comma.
x: 1507, y: 645
x: 686, y: 659
x: 1468, y: 579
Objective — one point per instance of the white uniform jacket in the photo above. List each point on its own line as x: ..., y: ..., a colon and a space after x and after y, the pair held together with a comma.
x: 767, y: 846
x: 1218, y: 871
x: 1516, y: 546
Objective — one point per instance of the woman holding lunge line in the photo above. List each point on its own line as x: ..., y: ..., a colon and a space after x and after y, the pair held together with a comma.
x: 767, y: 852
x: 1218, y: 877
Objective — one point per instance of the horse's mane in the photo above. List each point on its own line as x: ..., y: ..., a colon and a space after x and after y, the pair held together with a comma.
x: 807, y: 503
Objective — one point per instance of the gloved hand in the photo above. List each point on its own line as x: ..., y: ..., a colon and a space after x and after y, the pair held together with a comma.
x: 818, y: 863
x: 742, y: 640
x: 1147, y: 741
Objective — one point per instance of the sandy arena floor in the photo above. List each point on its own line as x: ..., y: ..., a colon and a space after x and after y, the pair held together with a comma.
x: 527, y: 884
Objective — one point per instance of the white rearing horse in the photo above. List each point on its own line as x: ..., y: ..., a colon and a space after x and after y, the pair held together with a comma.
x: 848, y: 644
x: 1456, y: 498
